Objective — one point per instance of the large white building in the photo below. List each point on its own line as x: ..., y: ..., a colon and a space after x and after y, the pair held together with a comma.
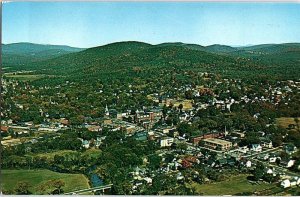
x: 166, y: 142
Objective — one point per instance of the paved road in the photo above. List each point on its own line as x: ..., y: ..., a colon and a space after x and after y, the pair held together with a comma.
x: 93, y: 189
x: 266, y: 163
x: 263, y: 152
x: 279, y: 168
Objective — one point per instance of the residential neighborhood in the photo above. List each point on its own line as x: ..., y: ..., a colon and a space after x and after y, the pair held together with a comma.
x: 170, y: 124
x: 150, y: 98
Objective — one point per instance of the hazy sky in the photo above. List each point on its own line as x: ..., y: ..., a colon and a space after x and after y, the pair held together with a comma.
x: 87, y: 24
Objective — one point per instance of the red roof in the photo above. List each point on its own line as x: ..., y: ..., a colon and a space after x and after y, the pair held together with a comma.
x: 191, y: 159
x: 64, y: 121
x: 4, y: 129
x: 186, y: 164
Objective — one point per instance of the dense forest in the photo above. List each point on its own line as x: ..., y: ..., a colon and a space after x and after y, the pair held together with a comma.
x: 135, y: 59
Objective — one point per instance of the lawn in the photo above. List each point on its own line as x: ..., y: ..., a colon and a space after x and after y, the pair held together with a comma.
x: 232, y: 186
x: 284, y: 122
x: 37, y: 177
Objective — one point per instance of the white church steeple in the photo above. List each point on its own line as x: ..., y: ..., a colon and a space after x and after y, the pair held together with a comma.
x: 106, y: 111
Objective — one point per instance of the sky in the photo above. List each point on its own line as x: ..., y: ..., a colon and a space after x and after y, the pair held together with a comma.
x: 89, y: 24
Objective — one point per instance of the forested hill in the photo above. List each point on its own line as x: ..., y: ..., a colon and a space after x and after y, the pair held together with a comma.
x: 23, y: 53
x: 121, y: 58
x: 273, y: 48
x: 25, y: 48
x: 266, y: 49
x: 125, y: 59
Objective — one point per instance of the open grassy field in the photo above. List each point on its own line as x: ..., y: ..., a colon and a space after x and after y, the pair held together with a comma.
x: 294, y: 191
x: 187, y: 104
x: 284, y: 122
x: 24, y: 77
x: 51, y: 155
x: 9, y: 179
x: 93, y: 152
x: 233, y: 185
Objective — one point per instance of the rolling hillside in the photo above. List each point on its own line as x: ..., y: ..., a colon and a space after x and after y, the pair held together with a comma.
x: 123, y: 59
x: 16, y: 54
x: 273, y: 48
x: 24, y: 48
x: 127, y: 55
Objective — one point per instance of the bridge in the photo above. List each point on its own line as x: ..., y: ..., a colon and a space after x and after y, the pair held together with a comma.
x: 93, y: 189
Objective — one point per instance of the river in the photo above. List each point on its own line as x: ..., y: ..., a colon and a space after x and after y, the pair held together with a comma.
x: 94, y: 178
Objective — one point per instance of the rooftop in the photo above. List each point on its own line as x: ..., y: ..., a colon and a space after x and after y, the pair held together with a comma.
x: 216, y: 141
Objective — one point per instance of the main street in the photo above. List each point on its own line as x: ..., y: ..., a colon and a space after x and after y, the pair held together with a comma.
x: 277, y: 168
x: 263, y: 152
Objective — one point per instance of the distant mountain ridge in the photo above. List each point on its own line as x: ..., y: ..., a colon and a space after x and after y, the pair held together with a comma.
x: 25, y: 48
x: 225, y: 49
x: 273, y: 48
x: 122, y: 58
x: 125, y: 55
x: 23, y: 52
x: 29, y: 48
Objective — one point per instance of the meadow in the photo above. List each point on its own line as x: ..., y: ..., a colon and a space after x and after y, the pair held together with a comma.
x: 35, y: 178
x: 232, y: 186
x: 284, y: 122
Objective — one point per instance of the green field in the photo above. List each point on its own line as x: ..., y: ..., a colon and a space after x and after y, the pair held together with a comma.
x: 24, y: 77
x: 51, y: 155
x: 284, y: 122
x: 294, y: 191
x: 93, y: 152
x: 10, y: 178
x: 233, y: 185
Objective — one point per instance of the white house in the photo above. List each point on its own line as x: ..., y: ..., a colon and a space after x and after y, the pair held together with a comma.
x: 286, y: 183
x: 256, y: 147
x: 179, y: 176
x: 263, y: 156
x: 298, y: 180
x: 288, y: 163
x: 267, y: 144
x: 148, y: 180
x: 289, y: 183
x: 166, y: 142
x: 269, y: 171
x: 248, y: 164
x: 183, y: 117
x: 86, y: 144
x: 244, y: 149
x: 272, y: 159
x: 166, y: 131
x: 293, y: 183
